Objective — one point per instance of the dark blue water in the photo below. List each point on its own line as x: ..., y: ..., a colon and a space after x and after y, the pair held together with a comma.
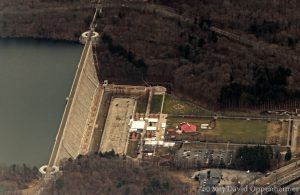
x: 35, y: 78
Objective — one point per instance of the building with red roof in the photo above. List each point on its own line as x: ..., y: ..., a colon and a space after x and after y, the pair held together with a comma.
x: 188, y: 128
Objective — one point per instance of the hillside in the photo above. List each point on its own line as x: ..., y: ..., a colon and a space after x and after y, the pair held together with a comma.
x: 187, y: 58
x: 17, y: 177
x: 195, y: 63
x: 106, y: 174
x: 58, y: 19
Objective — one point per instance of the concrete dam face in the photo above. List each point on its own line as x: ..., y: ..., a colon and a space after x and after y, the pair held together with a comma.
x: 79, y: 117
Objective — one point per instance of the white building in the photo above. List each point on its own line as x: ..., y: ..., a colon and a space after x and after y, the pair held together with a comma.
x: 153, y: 120
x: 137, y: 125
x: 151, y: 128
x: 204, y: 126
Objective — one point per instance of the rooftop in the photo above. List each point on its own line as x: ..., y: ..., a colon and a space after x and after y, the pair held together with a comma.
x: 187, y: 128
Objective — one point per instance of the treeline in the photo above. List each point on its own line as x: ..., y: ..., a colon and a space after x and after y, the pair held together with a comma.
x: 59, y: 20
x: 198, y: 64
x: 256, y: 158
x: 62, y: 1
x: 269, y: 85
x: 17, y: 177
x: 194, y: 62
x: 270, y: 32
x: 108, y: 174
x: 128, y: 55
x: 193, y: 42
x: 272, y: 21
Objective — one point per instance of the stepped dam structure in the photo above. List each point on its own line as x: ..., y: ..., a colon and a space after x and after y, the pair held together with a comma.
x: 79, y: 118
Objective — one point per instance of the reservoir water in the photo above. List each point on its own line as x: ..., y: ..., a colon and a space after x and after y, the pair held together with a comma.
x: 35, y: 79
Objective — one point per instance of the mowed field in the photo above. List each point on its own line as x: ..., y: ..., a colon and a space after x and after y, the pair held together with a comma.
x: 239, y: 130
x: 174, y: 105
x: 156, y: 103
x: 234, y: 131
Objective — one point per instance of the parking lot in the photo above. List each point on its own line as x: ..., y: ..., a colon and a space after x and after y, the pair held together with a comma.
x: 208, y: 156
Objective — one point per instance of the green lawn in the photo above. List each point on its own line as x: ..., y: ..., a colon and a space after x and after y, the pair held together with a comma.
x: 156, y: 103
x: 236, y: 131
x: 141, y: 105
x: 174, y: 105
x: 253, y: 131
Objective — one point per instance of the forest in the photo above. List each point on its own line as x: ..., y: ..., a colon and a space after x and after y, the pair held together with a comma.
x: 16, y: 177
x: 256, y: 158
x: 199, y: 64
x: 269, y: 86
x: 98, y: 173
x: 190, y: 59
x: 109, y: 174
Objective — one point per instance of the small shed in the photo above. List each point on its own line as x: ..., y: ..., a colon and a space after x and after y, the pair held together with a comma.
x: 153, y: 120
x: 204, y: 126
x: 151, y: 128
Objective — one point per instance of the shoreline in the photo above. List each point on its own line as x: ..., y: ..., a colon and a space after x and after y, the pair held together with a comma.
x: 41, y: 39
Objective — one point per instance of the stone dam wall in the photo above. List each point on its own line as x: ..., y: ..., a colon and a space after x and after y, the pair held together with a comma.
x: 76, y: 116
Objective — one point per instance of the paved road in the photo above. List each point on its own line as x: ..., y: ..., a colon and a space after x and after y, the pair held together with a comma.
x: 272, y: 118
x: 283, y: 172
x: 279, y: 177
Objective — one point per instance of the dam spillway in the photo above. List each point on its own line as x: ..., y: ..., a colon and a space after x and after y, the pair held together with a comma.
x: 80, y: 112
